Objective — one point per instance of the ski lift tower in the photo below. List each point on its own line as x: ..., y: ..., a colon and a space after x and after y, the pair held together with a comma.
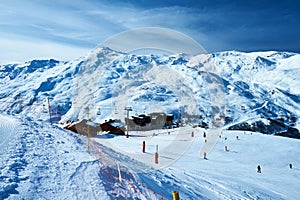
x: 128, y: 109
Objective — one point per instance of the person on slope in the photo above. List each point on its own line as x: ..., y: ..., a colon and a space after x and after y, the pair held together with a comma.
x: 258, y: 169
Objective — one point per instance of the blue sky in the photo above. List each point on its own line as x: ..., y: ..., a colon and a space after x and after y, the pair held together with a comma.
x: 66, y: 29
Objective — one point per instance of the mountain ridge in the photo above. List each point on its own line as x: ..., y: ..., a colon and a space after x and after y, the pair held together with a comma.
x: 256, y: 85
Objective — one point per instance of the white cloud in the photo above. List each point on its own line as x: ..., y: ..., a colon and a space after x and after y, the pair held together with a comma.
x: 68, y: 28
x: 163, y: 39
x: 16, y: 51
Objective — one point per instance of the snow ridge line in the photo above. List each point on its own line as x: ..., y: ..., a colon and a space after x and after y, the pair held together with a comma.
x: 118, y: 176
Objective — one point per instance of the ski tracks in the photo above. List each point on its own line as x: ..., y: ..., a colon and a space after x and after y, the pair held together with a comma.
x: 46, y: 162
x: 84, y: 182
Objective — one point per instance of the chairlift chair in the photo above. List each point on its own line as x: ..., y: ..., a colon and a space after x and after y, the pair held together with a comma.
x: 44, y: 108
x: 116, y: 111
x: 98, y: 111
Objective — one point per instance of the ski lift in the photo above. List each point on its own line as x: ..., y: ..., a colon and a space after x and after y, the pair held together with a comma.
x: 44, y: 108
x: 116, y: 111
x: 98, y: 111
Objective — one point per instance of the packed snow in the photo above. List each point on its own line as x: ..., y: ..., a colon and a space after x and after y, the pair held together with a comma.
x: 43, y: 161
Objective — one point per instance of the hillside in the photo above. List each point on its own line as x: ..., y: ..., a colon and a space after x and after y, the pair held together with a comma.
x: 240, y: 91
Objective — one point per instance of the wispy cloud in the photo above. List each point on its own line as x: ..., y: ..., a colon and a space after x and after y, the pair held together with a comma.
x: 81, y: 24
x: 76, y: 25
x: 19, y: 50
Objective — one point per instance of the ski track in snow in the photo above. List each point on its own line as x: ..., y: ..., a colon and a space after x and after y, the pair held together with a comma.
x: 8, y: 129
x: 43, y: 165
x: 126, y: 183
x: 46, y: 163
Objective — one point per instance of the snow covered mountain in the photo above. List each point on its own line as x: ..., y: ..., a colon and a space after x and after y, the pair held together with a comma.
x: 247, y: 91
x: 259, y: 90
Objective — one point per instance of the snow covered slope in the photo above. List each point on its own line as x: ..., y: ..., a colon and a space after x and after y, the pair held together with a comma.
x: 223, y: 174
x: 259, y: 90
x: 42, y: 162
x: 46, y: 162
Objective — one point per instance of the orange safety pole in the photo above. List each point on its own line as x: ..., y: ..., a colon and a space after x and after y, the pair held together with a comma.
x: 156, y: 155
x: 175, y: 195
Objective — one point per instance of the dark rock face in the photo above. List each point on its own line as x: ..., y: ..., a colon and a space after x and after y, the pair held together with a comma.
x: 274, y: 127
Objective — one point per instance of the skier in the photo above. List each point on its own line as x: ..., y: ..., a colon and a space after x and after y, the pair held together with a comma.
x: 258, y: 169
x: 204, y: 135
x: 291, y: 166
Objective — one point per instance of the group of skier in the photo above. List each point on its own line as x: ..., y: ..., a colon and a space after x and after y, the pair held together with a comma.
x: 259, y: 168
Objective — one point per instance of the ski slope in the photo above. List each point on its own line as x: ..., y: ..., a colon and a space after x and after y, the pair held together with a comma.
x: 46, y: 162
x: 223, y: 174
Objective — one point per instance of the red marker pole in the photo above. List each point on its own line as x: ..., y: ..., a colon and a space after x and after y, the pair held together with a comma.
x: 156, y: 158
x: 144, y: 146
x: 156, y: 155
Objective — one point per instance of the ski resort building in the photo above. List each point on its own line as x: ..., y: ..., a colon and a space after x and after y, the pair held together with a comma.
x: 151, y: 121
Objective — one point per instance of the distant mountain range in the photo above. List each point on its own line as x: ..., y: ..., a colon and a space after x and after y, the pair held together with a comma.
x: 256, y: 91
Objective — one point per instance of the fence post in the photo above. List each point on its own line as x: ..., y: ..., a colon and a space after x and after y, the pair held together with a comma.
x: 175, y: 195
